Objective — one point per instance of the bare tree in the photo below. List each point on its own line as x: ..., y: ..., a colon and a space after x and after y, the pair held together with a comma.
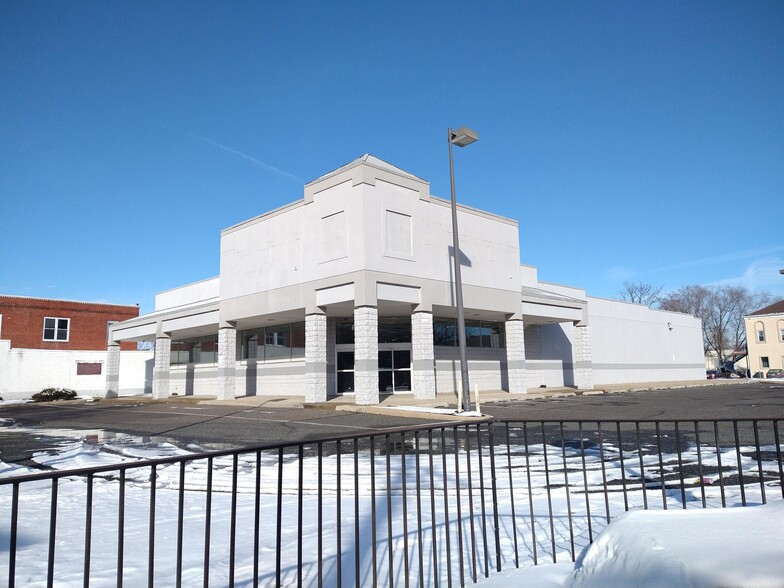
x: 640, y: 293
x: 693, y: 300
x: 721, y: 309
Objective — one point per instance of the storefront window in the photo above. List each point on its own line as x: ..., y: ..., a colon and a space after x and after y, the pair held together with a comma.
x: 394, y: 329
x: 298, y: 340
x: 445, y: 332
x: 344, y: 331
x: 488, y: 334
x: 279, y: 342
x: 196, y: 350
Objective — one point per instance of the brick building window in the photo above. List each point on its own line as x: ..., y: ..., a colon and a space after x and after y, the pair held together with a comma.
x: 56, y: 329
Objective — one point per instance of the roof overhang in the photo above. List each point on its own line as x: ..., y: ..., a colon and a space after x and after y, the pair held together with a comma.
x: 542, y: 307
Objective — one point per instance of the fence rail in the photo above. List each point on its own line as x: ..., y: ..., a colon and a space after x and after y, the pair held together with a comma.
x: 423, y: 506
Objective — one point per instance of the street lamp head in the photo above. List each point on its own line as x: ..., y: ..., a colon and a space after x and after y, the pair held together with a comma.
x: 463, y: 136
x: 781, y: 271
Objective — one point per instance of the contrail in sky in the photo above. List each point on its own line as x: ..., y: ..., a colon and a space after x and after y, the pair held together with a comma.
x: 227, y: 149
x: 266, y: 166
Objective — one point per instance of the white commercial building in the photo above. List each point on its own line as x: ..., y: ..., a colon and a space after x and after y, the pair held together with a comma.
x: 350, y: 290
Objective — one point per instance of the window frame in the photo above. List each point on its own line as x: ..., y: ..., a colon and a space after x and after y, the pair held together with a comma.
x: 56, y: 328
x: 759, y: 327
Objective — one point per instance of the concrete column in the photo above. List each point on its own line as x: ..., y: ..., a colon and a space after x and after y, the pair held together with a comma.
x: 366, y: 355
x: 227, y: 362
x: 423, y: 362
x: 515, y: 356
x: 160, y: 369
x: 113, y: 370
x: 583, y: 366
x: 315, y: 357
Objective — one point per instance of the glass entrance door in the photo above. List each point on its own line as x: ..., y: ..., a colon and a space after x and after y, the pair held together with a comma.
x: 345, y: 371
x: 394, y: 370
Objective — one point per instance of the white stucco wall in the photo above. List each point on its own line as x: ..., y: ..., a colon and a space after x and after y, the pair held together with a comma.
x: 633, y: 343
x: 383, y: 227
x: 23, y: 372
x: 189, y: 294
x: 548, y: 350
x: 270, y: 379
x: 193, y: 380
x: 484, y: 368
x: 277, y: 378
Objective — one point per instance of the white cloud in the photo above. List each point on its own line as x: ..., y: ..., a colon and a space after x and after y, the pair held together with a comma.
x: 760, y: 274
x: 725, y: 258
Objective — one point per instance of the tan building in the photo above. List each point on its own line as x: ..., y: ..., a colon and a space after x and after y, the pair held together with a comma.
x: 765, y: 337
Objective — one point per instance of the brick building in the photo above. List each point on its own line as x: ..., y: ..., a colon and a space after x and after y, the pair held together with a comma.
x: 39, y: 323
x: 62, y: 343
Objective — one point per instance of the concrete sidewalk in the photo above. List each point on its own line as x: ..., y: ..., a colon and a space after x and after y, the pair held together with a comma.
x: 445, y: 404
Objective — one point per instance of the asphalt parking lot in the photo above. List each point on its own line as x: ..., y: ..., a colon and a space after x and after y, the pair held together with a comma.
x: 28, y: 428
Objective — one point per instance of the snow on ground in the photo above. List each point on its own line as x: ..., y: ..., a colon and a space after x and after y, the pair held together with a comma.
x: 675, y: 548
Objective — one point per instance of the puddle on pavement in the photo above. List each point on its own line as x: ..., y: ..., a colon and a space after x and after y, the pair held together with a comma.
x: 20, y: 444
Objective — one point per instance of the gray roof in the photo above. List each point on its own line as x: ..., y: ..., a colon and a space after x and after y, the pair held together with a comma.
x: 529, y: 292
x: 371, y: 160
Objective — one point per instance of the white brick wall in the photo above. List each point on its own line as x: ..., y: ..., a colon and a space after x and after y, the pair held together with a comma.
x: 160, y: 370
x: 112, y: 371
x: 583, y: 371
x: 423, y: 376
x: 366, y: 355
x: 227, y: 359
x: 23, y: 372
x: 515, y: 356
x: 315, y: 358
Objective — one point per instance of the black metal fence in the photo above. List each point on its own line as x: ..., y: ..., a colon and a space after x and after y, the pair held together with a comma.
x: 425, y: 506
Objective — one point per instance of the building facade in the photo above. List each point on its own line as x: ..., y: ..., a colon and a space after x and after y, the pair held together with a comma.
x: 62, y: 343
x: 350, y: 290
x: 765, y: 338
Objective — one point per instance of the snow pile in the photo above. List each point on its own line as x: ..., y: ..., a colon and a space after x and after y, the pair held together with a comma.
x: 737, y: 547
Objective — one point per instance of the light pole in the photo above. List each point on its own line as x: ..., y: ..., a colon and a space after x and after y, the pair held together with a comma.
x: 461, y: 137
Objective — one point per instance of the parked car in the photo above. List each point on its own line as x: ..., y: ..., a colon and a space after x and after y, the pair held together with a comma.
x: 775, y: 373
x: 728, y: 373
x: 712, y: 374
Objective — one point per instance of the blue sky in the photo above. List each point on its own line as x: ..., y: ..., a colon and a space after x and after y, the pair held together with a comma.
x: 632, y: 140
